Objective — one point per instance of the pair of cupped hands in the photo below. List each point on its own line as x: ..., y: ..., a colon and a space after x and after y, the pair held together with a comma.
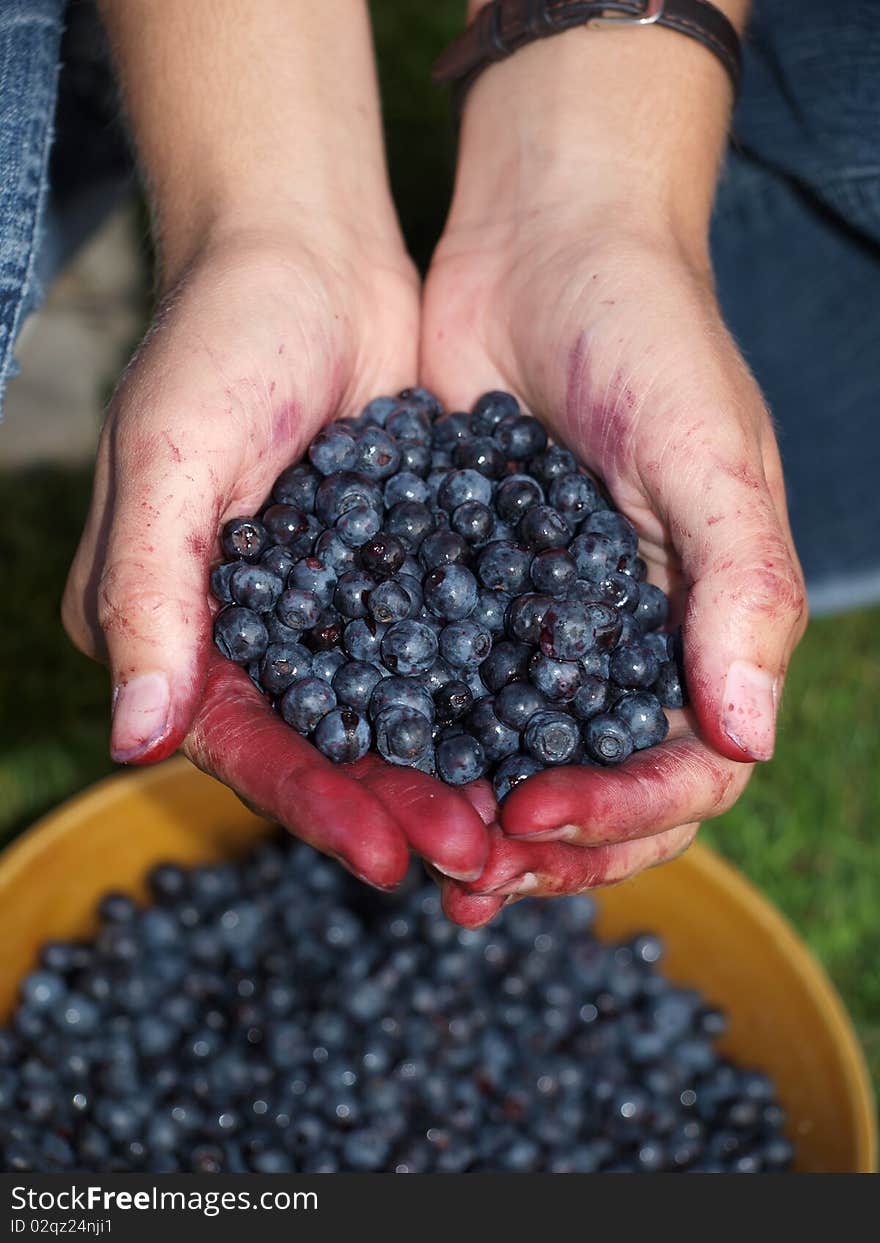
x: 609, y: 333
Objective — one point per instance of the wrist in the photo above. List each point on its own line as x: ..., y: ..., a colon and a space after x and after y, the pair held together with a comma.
x: 631, y: 122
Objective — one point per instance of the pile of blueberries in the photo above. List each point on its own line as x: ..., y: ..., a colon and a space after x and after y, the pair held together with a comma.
x: 452, y: 592
x: 273, y: 1015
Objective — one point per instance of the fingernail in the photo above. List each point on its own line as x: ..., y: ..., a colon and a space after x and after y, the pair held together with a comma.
x: 748, y: 714
x: 140, y: 716
x: 472, y: 875
x: 520, y: 885
x: 565, y: 833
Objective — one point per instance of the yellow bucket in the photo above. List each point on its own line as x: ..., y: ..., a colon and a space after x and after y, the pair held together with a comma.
x: 721, y: 935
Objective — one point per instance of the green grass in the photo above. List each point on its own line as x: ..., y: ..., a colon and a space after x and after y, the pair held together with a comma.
x: 807, y: 829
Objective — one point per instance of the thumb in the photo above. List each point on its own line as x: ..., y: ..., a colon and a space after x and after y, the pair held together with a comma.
x: 152, y: 607
x: 746, y: 606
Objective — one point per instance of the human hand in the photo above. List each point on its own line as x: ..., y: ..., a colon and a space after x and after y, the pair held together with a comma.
x: 250, y: 354
x: 587, y: 291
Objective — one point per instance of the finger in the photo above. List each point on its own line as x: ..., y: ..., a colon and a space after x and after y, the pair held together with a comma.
x: 237, y: 737
x: 468, y: 909
x: 654, y: 790
x: 146, y: 589
x: 746, y: 606
x: 439, y: 823
x: 545, y: 869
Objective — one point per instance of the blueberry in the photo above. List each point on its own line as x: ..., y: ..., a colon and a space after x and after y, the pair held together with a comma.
x: 593, y: 555
x: 312, y: 574
x: 516, y: 704
x: 525, y: 616
x: 460, y: 486
x: 44, y: 990
x: 354, y: 683
x: 389, y: 602
x: 400, y: 692
x: 244, y: 538
x: 618, y: 528
x: 282, y: 664
x: 553, y: 572
x: 618, y: 590
x: 352, y: 595
x: 507, y: 662
x: 410, y: 522
x: 334, y: 449
x: 421, y: 399
x: 515, y: 495
x: 240, y: 634
x: 408, y: 648
x: 473, y: 521
x: 362, y: 639
x: 643, y: 716
x: 403, y: 735
x: 652, y: 607
x: 378, y: 410
x: 412, y: 585
x: 491, y: 609
x: 415, y: 457
x: 358, y: 525
x: 575, y: 496
x: 480, y: 454
x: 512, y: 771
x: 450, y: 430
x: 452, y: 701
x: 497, y: 739
x: 286, y: 525
x: 591, y: 697
x: 220, y: 580
x: 443, y: 547
x: 460, y: 759
x: 504, y: 566
x: 383, y: 555
x: 667, y: 686
x: 298, y: 609
x: 297, y: 486
x: 326, y: 663
x: 409, y: 422
x: 607, y: 739
x: 255, y: 587
x: 378, y: 453
x: 632, y: 665
x: 405, y: 486
x: 520, y: 436
x: 348, y: 490
x: 279, y: 559
x: 464, y: 644
x: 541, y: 526
x: 326, y: 632
x: 552, y: 464
x: 489, y: 411
x: 558, y: 680
x: 450, y: 592
x: 343, y: 735
x: 334, y: 553
x: 571, y: 630
x: 552, y: 737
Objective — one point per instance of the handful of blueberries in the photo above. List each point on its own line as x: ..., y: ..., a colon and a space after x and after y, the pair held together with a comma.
x: 453, y: 592
x: 273, y: 1015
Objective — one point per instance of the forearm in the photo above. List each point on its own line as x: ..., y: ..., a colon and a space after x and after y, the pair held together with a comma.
x: 633, y: 119
x: 251, y: 116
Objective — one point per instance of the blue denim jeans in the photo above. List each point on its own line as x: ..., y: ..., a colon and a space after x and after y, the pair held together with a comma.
x: 796, y: 245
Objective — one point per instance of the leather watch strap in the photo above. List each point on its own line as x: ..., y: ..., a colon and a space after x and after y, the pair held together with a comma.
x: 504, y: 26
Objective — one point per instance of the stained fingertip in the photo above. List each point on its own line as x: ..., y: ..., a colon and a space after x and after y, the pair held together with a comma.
x: 439, y: 823
x: 468, y: 910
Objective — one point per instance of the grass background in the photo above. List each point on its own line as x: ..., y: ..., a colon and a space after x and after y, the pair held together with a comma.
x: 806, y: 830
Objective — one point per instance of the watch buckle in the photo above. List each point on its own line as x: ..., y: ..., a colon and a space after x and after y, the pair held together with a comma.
x: 653, y: 11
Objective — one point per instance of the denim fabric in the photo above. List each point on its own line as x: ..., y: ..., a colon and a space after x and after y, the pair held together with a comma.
x: 30, y: 34
x: 796, y: 248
